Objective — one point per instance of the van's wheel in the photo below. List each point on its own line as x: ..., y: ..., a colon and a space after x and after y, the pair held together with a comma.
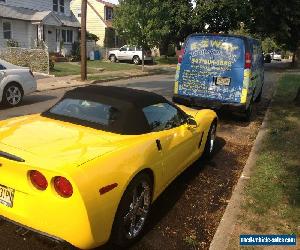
x: 136, y: 60
x: 12, y: 95
x: 210, y: 142
x: 133, y: 211
x: 113, y: 58
x: 258, y: 98
x: 248, y: 111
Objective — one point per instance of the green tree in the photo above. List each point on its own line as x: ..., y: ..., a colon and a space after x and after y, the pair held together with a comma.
x: 219, y: 15
x: 278, y: 19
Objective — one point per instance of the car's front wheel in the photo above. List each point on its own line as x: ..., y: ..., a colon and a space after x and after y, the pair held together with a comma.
x: 133, y: 211
x: 210, y: 141
x: 12, y: 95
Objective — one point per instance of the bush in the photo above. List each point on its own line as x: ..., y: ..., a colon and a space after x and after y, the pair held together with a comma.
x: 51, y: 63
x: 75, y: 51
x: 12, y: 43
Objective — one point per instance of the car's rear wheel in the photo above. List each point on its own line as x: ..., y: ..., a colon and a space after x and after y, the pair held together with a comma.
x: 12, y: 95
x: 248, y: 111
x: 210, y: 142
x: 133, y: 211
x: 258, y: 98
x: 113, y: 58
x: 136, y: 60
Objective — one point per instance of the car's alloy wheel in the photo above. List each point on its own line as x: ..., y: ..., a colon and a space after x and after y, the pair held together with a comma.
x: 133, y: 211
x: 136, y: 60
x: 211, y: 141
x: 113, y: 58
x: 12, y: 95
x: 138, y: 210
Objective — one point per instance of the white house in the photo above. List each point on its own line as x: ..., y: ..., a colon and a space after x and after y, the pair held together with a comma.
x: 29, y: 21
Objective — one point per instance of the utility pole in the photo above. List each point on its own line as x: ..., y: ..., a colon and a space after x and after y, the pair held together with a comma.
x: 83, y: 40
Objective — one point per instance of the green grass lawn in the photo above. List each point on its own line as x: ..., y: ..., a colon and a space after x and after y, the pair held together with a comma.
x: 65, y: 69
x: 109, y: 66
x: 166, y: 60
x: 272, y: 198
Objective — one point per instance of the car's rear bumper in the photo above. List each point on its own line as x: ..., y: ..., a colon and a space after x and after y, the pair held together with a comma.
x: 208, y: 103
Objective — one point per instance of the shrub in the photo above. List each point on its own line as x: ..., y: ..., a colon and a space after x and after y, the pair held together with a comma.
x: 75, y: 51
x: 12, y: 43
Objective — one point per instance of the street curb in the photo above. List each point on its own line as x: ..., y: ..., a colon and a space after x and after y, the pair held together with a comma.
x: 100, y: 81
x: 224, y: 231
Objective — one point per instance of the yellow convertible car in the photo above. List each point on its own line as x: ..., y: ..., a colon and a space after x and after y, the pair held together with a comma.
x: 87, y: 170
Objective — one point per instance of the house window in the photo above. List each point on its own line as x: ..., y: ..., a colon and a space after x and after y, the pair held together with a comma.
x: 59, y: 6
x: 7, y: 33
x: 108, y: 13
x: 67, y: 36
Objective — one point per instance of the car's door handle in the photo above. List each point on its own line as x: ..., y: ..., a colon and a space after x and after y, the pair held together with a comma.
x: 158, y: 144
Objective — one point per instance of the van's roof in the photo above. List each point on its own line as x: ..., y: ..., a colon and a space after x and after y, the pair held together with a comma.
x: 224, y: 35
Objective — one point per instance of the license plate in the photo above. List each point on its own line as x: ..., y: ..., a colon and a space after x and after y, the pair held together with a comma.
x: 224, y: 81
x: 6, y: 196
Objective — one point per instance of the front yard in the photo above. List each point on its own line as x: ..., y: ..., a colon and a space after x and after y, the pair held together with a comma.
x: 272, y: 199
x: 71, y: 68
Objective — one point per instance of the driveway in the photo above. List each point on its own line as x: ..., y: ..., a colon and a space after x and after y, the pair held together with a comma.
x: 187, y: 214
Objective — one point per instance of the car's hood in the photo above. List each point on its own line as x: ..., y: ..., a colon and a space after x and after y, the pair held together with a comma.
x: 40, y: 138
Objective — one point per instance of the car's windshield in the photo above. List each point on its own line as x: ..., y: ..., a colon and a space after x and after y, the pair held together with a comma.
x: 86, y: 110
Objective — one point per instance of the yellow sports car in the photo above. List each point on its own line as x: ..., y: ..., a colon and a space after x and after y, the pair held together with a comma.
x: 87, y: 170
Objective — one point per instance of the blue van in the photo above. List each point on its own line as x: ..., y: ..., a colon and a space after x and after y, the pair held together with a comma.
x: 220, y: 71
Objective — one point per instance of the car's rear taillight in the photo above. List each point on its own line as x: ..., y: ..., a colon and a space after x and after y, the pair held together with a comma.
x: 63, y: 187
x: 180, y: 57
x: 38, y: 180
x: 247, y: 60
x: 31, y: 73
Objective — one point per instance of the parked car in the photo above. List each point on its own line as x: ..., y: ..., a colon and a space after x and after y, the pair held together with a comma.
x: 276, y: 57
x: 220, y: 71
x: 89, y: 168
x: 267, y: 58
x: 15, y: 82
x: 129, y: 53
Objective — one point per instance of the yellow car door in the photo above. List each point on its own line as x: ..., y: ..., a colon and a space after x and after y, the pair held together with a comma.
x: 175, y: 139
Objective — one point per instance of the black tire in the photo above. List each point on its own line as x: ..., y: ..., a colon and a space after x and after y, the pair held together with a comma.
x: 248, y: 111
x: 258, y: 98
x: 210, y: 141
x: 12, y: 95
x: 113, y: 58
x: 136, y: 60
x: 121, y: 235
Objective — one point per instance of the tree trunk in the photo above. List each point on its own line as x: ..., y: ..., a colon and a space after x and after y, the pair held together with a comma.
x: 143, y: 59
x: 83, y: 40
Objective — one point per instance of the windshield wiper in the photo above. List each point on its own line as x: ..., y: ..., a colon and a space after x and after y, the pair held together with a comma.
x: 11, y: 157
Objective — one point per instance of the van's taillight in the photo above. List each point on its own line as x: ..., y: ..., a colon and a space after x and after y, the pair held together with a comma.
x: 180, y: 57
x: 38, y: 180
x: 247, y: 60
x: 63, y: 187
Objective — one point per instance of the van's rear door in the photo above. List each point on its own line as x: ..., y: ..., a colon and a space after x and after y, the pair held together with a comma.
x: 213, y: 68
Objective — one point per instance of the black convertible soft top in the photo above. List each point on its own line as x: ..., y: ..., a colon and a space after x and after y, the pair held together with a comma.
x: 129, y: 102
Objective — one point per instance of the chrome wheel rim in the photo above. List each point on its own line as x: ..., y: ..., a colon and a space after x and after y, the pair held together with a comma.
x: 13, y: 95
x: 138, y: 210
x: 212, y: 138
x: 136, y: 60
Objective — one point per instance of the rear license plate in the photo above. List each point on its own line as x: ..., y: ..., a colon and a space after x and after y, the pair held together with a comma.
x: 7, y: 196
x: 224, y: 81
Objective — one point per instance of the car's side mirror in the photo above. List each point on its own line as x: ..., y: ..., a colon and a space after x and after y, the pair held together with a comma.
x: 191, y: 123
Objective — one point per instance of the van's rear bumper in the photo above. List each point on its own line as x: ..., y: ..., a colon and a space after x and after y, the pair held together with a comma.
x: 208, y: 103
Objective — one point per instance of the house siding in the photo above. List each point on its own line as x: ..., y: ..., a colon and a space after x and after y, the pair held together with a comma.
x: 22, y: 31
x: 94, y: 23
x: 38, y: 5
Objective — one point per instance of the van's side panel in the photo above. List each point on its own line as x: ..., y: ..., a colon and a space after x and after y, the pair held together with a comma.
x: 205, y: 59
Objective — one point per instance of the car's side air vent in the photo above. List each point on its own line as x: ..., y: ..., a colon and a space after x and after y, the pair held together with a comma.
x: 11, y: 157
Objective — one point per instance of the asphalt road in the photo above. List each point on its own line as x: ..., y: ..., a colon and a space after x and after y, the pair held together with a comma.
x: 188, y: 212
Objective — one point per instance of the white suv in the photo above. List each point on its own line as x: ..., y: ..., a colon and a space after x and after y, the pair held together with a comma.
x: 129, y: 53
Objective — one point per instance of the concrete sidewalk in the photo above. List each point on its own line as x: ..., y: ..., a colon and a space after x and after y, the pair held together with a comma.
x: 49, y: 82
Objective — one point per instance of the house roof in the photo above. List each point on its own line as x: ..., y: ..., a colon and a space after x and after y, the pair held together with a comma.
x: 20, y: 13
x: 106, y: 3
